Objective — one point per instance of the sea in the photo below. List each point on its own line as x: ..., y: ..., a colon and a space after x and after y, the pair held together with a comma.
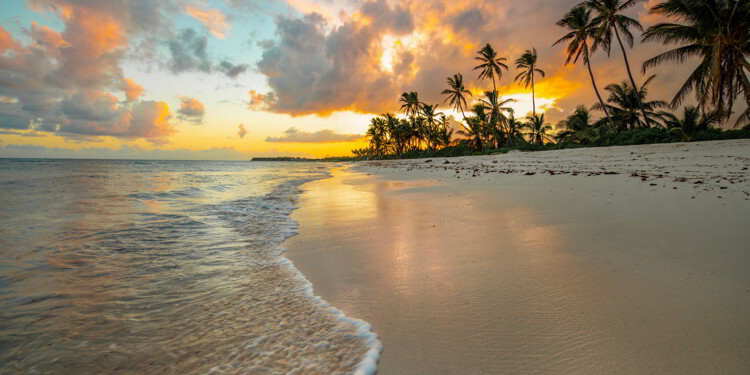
x: 163, y: 267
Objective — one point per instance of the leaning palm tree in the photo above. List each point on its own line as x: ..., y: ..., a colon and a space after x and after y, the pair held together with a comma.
x: 490, y: 65
x: 527, y: 62
x: 538, y: 130
x: 717, y: 33
x: 692, y: 121
x: 626, y: 102
x: 577, y: 21
x: 410, y: 103
x: 456, y: 93
x: 610, y: 19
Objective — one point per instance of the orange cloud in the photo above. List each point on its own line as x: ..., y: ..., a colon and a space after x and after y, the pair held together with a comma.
x: 46, y: 37
x: 191, y: 110
x: 259, y: 102
x: 132, y: 90
x: 63, y: 82
x: 212, y: 19
x: 7, y: 42
x: 150, y: 120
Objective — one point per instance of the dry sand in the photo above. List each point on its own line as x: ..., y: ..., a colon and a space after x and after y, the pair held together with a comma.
x: 623, y: 260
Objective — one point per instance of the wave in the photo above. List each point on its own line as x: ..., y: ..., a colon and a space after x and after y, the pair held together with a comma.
x: 276, y: 207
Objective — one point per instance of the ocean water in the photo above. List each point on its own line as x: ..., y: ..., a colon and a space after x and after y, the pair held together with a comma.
x: 154, y: 267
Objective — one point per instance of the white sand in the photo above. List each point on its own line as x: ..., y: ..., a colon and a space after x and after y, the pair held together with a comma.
x: 508, y: 273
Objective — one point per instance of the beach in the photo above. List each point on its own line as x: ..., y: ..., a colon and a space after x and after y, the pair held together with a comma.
x: 619, y: 260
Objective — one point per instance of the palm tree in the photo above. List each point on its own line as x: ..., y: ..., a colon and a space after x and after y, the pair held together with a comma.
x: 514, y: 129
x: 377, y: 133
x: 716, y: 32
x: 624, y: 104
x: 410, y: 103
x: 609, y: 18
x: 692, y: 121
x: 445, y: 133
x: 396, y: 131
x: 577, y: 21
x: 430, y: 113
x: 430, y: 128
x: 538, y: 129
x: 490, y: 65
x: 527, y: 62
x: 496, y: 125
x: 456, y: 93
x: 579, y: 127
x: 475, y: 126
x: 579, y: 120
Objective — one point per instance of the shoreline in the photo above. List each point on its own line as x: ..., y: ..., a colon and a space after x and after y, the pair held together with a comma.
x: 609, y: 264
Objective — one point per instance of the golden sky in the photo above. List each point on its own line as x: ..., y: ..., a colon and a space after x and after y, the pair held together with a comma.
x: 233, y: 79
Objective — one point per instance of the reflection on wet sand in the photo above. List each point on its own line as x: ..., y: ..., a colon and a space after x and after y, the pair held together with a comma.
x: 520, y: 278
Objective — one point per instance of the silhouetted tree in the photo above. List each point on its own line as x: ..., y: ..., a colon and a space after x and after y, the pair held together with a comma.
x: 527, y: 62
x: 490, y: 65
x: 578, y: 21
x: 718, y: 33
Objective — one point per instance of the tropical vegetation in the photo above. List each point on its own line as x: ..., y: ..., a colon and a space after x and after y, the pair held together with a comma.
x: 715, y: 34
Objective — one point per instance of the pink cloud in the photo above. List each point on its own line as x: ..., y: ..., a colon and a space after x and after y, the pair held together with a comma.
x: 212, y: 19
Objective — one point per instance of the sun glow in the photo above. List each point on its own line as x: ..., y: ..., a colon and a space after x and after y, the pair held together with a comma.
x: 395, y: 50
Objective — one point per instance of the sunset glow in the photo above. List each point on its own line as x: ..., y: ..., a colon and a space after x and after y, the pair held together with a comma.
x: 225, y: 79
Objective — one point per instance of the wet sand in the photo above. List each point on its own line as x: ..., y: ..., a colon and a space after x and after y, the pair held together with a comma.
x: 625, y: 260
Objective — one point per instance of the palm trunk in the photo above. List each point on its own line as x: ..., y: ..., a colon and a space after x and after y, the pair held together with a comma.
x: 593, y: 83
x: 533, y: 94
x: 632, y: 81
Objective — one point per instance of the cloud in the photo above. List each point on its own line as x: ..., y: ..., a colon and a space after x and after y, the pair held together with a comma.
x: 230, y: 69
x: 22, y: 134
x: 7, y: 43
x: 294, y: 135
x: 191, y: 110
x: 212, y: 19
x: 189, y: 52
x: 363, y: 60
x: 242, y: 132
x: 132, y: 90
x: 46, y: 38
x: 259, y: 102
x: 470, y: 20
x: 147, y: 119
x: 313, y: 70
x: 67, y: 81
x: 150, y: 120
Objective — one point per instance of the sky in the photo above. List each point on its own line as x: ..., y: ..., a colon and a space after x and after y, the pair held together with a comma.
x: 235, y: 79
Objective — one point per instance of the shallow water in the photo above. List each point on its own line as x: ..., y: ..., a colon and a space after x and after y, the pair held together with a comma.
x: 161, y: 267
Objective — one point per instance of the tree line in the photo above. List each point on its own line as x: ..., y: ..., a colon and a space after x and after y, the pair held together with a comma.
x: 716, y: 33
